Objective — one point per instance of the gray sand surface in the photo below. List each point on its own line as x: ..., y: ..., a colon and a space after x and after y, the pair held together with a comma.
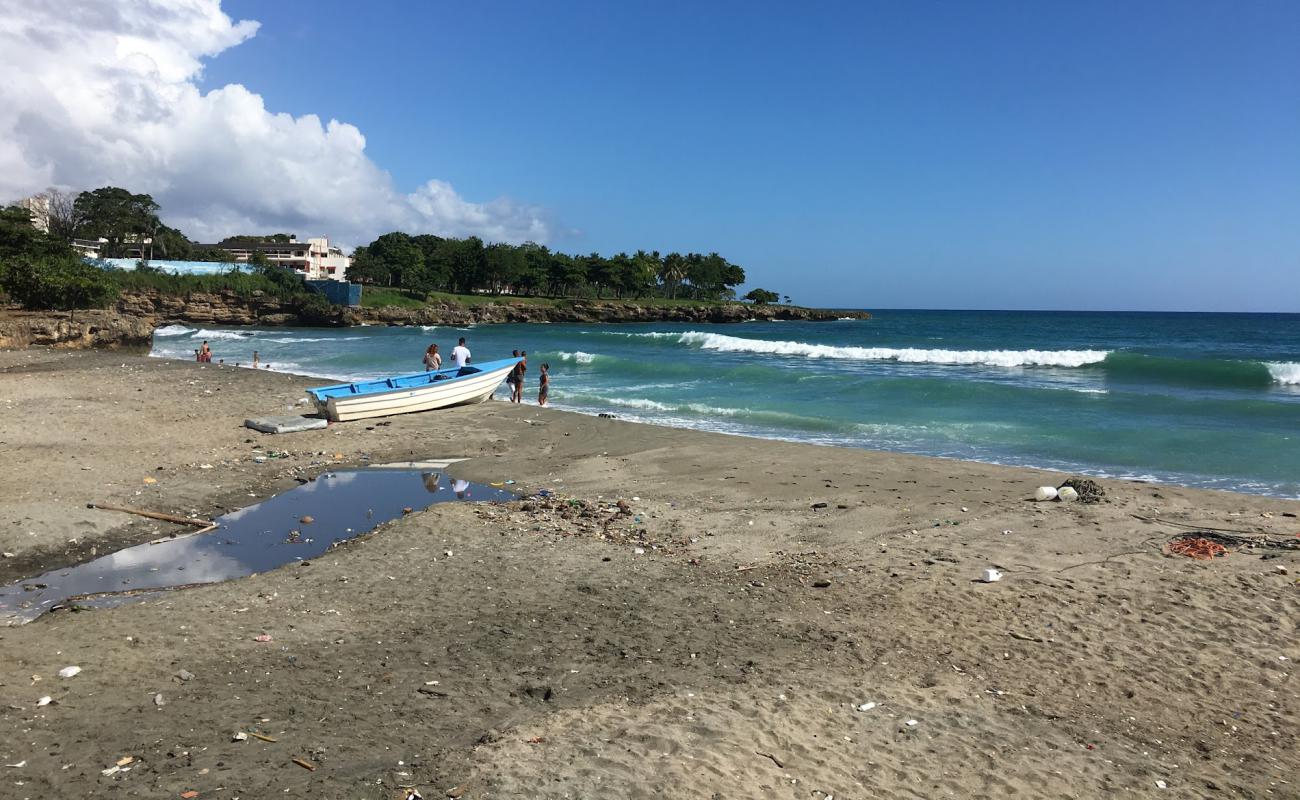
x: 726, y: 660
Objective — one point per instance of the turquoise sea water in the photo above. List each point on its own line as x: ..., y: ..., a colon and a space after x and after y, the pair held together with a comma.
x: 1209, y: 400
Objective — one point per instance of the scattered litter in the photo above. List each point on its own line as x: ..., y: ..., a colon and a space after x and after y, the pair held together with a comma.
x: 19, y: 765
x: 113, y: 770
x: 1045, y: 493
x: 262, y: 637
x: 412, y: 794
x: 286, y: 424
x: 150, y: 480
x: 307, y: 520
x: 991, y: 576
x: 1161, y: 785
x: 68, y: 672
x: 44, y: 701
x: 189, y: 795
x: 239, y: 736
x: 159, y: 701
x: 262, y: 736
x: 9, y: 555
x: 821, y: 584
x: 205, y: 466
x: 964, y: 509
x: 304, y: 763
x: 1067, y: 494
x: 866, y: 706
x: 911, y: 723
x: 1088, y: 491
x: 639, y: 551
x: 124, y: 760
x: 184, y: 675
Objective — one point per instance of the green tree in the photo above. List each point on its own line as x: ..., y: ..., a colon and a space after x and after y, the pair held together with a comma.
x: 399, y: 258
x: 438, y: 258
x: 761, y: 297
x: 672, y: 271
x: 123, y: 218
x: 41, y: 271
x: 468, y: 264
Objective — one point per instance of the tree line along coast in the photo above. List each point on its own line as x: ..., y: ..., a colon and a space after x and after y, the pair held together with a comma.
x: 40, y: 268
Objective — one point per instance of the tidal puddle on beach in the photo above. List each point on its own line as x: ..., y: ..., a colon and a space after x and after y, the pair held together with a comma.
x: 342, y: 505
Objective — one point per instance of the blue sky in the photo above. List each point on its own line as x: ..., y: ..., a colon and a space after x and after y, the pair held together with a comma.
x: 907, y: 154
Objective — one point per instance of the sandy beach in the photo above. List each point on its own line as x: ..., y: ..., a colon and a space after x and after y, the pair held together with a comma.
x: 771, y: 619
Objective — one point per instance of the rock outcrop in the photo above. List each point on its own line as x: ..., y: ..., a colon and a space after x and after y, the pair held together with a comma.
x: 95, y: 328
x: 591, y: 311
x: 137, y: 313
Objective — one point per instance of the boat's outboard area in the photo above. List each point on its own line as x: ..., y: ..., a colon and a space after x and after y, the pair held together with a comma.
x: 295, y: 525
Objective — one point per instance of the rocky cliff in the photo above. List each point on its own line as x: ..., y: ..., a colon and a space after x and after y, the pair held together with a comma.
x: 136, y: 314
x: 104, y: 329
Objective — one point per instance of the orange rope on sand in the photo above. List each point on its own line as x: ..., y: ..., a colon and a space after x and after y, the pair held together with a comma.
x: 1197, y: 548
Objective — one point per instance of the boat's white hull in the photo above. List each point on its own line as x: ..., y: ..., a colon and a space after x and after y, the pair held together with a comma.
x: 443, y: 394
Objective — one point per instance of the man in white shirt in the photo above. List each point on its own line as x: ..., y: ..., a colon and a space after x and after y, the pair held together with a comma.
x: 460, y: 354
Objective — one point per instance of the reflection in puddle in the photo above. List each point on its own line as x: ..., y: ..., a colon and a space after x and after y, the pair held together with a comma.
x: 342, y: 505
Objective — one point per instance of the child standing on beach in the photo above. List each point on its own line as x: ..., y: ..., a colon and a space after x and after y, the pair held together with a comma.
x: 545, y: 385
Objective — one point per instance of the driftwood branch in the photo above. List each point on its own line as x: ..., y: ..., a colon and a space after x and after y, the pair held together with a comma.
x: 201, y: 523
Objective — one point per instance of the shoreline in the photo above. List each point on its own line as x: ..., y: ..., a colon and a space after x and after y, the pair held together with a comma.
x: 569, y: 663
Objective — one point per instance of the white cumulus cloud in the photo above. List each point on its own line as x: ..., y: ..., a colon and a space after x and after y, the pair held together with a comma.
x: 103, y: 92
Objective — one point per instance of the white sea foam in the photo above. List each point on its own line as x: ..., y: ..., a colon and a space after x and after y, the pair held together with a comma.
x: 428, y: 328
x: 204, y: 333
x: 1286, y: 373
x: 173, y: 330
x: 578, y: 357
x: 299, y: 339
x: 909, y: 355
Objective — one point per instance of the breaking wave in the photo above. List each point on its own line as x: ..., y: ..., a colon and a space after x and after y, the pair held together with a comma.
x: 909, y: 355
x: 173, y: 330
x: 577, y: 358
x: 204, y: 333
x: 1286, y: 373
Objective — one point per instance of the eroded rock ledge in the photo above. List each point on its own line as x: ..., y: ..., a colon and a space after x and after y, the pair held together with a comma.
x: 132, y: 321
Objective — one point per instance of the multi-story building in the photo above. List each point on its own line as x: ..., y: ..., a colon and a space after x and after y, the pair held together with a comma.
x: 315, y: 259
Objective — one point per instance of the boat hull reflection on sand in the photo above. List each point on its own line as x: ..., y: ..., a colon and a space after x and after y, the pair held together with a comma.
x: 404, y: 394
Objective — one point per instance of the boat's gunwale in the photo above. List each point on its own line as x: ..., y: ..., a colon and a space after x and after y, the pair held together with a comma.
x: 483, y: 369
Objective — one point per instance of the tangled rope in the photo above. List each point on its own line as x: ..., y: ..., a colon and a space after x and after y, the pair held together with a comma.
x: 1197, y: 547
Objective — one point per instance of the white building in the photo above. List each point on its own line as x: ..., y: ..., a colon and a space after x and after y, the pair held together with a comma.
x: 315, y: 259
x: 39, y: 206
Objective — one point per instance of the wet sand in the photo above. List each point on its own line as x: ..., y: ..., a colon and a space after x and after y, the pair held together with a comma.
x: 718, y: 641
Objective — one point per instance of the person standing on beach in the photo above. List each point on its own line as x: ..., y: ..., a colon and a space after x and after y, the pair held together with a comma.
x: 517, y: 396
x: 205, y: 352
x: 545, y: 387
x: 460, y: 354
x: 512, y: 380
x: 257, y: 361
x: 432, y: 358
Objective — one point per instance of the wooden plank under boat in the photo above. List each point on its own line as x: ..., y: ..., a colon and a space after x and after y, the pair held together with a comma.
x: 422, y: 391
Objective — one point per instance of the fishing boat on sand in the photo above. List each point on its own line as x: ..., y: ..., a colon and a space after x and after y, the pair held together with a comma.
x: 423, y: 391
